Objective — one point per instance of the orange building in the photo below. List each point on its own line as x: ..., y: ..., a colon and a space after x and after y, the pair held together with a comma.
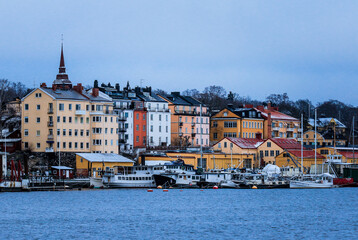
x: 139, y: 125
x: 187, y: 128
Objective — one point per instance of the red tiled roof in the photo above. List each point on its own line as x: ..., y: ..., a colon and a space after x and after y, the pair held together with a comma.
x: 285, y: 143
x: 349, y: 154
x: 246, y: 142
x: 306, y: 154
x: 276, y: 115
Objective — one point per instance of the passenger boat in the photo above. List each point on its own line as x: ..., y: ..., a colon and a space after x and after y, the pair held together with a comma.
x: 216, y: 177
x: 176, y: 173
x: 131, y: 177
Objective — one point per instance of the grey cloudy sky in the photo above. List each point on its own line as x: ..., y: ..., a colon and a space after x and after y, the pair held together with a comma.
x: 305, y: 48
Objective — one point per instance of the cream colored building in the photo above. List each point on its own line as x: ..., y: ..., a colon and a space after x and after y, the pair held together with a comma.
x: 67, y: 119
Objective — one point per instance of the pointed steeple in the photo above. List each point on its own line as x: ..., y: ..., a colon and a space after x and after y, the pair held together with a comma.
x: 62, y: 80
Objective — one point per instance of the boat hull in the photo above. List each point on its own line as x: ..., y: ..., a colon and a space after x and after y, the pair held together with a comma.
x: 309, y: 184
x: 161, y: 180
x: 127, y: 184
x: 96, y: 182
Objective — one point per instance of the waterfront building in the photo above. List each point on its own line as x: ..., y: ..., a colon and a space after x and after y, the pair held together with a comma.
x: 292, y: 158
x: 272, y: 147
x: 278, y: 124
x: 187, y: 128
x: 92, y: 164
x: 348, y: 154
x: 12, y: 140
x: 232, y: 122
x: 65, y: 118
x: 209, y: 160
x: 244, y: 146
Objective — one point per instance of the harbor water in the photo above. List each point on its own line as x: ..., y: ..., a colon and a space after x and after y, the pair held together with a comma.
x: 176, y: 214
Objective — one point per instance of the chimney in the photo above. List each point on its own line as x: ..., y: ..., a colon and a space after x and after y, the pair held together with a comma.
x: 54, y: 87
x: 269, y: 125
x: 95, y: 92
x: 43, y: 85
x: 117, y: 87
x: 269, y: 105
x: 78, y: 88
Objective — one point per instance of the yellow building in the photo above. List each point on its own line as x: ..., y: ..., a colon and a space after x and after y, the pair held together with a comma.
x: 279, y: 125
x: 67, y: 119
x: 215, y: 160
x: 292, y: 158
x: 91, y: 164
x: 347, y: 154
x: 273, y: 147
x: 236, y: 123
x: 324, y: 139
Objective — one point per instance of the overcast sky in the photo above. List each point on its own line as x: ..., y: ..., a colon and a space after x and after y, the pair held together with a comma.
x: 307, y: 49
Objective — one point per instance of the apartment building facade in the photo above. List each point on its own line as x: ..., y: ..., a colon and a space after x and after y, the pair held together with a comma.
x: 190, y: 120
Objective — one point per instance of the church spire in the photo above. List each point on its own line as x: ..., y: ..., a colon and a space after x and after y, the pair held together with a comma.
x: 62, y: 80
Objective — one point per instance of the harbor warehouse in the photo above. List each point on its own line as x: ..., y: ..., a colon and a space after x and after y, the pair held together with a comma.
x: 88, y: 164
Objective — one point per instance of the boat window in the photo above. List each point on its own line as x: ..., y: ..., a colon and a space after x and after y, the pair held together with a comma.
x: 180, y: 176
x: 189, y: 176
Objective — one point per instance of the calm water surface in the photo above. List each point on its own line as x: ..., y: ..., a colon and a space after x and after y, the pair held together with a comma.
x: 191, y: 214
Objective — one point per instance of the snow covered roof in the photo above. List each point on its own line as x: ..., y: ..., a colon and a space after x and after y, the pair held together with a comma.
x: 323, y: 122
x: 9, y: 140
x: 104, y: 157
x: 246, y: 142
x: 276, y: 115
x: 285, y: 143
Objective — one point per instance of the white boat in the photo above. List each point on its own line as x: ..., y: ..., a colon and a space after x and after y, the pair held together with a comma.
x: 324, y: 180
x: 131, y: 177
x: 215, y: 177
x: 10, y: 186
x: 228, y: 184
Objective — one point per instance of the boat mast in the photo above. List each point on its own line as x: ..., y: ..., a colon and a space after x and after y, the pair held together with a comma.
x: 315, y: 141
x: 302, y: 144
x: 353, y: 140
x: 201, y: 138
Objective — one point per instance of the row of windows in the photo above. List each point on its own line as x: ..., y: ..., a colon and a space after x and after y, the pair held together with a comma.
x: 193, y: 119
x: 160, y: 128
x: 197, y: 130
x: 230, y: 124
x: 136, y: 178
x: 61, y: 106
x: 272, y: 153
x: 64, y: 119
x: 249, y: 124
x: 159, y: 140
x: 159, y: 117
x: 228, y: 134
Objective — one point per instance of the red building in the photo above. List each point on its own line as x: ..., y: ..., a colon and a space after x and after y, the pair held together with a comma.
x: 139, y: 125
x: 62, y: 172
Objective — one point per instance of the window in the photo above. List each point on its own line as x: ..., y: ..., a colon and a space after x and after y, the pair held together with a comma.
x: 268, y: 144
x: 87, y: 145
x: 137, y: 127
x: 137, y: 116
x: 26, y: 132
x: 160, y: 117
x: 166, y: 128
x: 58, y: 132
x: 76, y: 145
x: 143, y: 116
x: 144, y: 128
x: 272, y: 153
x: 266, y: 153
x: 81, y: 132
x: 87, y: 107
x: 215, y: 124
x: 87, y: 119
x: 137, y: 139
x: 70, y: 106
x: 76, y: 132
x: 38, y: 107
x: 64, y: 119
x: 70, y: 119
x: 38, y: 120
x: 97, y: 142
x: 215, y: 135
x: 38, y: 145
x: 87, y: 133
x: 151, y: 128
x: 225, y: 144
x: 277, y: 152
x: 61, y: 107
x: 151, y: 117
x: 97, y: 130
x: 26, y: 145
x: 160, y: 129
x: 78, y: 106
x: 81, y: 145
x: 230, y: 124
x: 70, y: 145
x: 81, y: 119
x: 26, y: 119
x: 64, y: 144
x: 26, y: 106
x: 261, y: 154
x: 38, y: 133
x: 64, y: 132
x: 38, y: 95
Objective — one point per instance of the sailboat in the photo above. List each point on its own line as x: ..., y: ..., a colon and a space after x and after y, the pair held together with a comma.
x: 324, y: 180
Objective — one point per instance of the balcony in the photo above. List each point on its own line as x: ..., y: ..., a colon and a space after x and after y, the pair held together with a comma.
x: 50, y: 111
x: 80, y: 112
x: 290, y: 129
x: 49, y: 149
x: 193, y: 124
x: 193, y: 135
x: 50, y: 137
x: 122, y: 141
x: 276, y: 129
x: 122, y: 129
x: 50, y: 123
x: 180, y: 124
x: 121, y: 118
